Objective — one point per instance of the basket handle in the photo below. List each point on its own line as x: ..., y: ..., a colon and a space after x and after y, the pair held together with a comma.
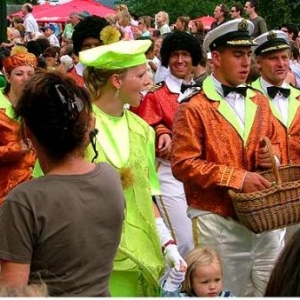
x: 274, y: 165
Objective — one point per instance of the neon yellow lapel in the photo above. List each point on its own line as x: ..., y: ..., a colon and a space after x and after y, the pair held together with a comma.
x: 293, y: 105
x: 275, y: 112
x: 227, y: 112
x: 250, y: 109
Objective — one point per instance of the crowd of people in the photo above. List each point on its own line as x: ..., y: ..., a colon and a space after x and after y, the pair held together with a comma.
x: 119, y: 143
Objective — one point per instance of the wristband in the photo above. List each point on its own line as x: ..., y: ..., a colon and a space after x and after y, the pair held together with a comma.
x: 170, y: 242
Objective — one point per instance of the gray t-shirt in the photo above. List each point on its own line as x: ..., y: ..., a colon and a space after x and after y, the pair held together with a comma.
x: 260, y: 26
x: 68, y: 227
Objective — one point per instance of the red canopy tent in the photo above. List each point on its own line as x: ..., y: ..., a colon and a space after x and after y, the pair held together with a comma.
x: 207, y: 21
x: 59, y: 13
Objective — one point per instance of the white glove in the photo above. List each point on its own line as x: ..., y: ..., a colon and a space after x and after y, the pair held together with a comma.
x: 174, y: 280
x: 173, y: 258
x: 163, y: 231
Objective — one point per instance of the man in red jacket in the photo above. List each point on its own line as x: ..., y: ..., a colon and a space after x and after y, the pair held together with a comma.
x: 180, y: 52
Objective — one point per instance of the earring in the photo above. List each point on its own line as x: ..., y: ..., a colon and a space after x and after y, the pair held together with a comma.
x: 117, y: 93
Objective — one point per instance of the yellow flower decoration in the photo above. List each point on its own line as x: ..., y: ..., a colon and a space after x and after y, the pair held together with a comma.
x: 18, y: 50
x: 109, y: 35
x: 127, y: 177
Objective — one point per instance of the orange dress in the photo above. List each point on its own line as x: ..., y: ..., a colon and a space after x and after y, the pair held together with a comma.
x: 209, y: 154
x: 16, y: 162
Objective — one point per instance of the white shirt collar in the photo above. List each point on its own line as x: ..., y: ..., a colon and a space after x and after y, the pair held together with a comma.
x: 174, y: 83
x: 218, y: 85
x: 265, y: 85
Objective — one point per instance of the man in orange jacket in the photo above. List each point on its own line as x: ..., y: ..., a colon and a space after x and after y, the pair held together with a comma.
x: 216, y: 146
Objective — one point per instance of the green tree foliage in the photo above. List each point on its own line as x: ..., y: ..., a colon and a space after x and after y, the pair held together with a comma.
x: 275, y: 12
x: 295, y: 8
x: 34, y: 2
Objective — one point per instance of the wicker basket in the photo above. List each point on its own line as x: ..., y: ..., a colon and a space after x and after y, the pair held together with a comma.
x: 272, y: 208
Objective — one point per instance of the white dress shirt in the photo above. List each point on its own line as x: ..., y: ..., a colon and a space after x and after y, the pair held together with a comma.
x: 174, y: 85
x: 280, y: 102
x: 235, y: 100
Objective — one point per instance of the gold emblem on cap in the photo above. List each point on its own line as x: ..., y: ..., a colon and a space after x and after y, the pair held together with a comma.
x: 243, y: 25
x: 271, y: 36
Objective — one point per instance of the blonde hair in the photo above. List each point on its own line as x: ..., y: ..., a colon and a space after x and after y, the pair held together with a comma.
x: 198, y: 257
x: 165, y: 15
x: 32, y: 290
x: 121, y: 7
x: 124, y: 15
x: 96, y: 79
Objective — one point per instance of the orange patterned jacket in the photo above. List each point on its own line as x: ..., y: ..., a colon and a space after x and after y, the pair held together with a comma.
x: 210, y: 153
x: 290, y: 133
x: 15, y: 163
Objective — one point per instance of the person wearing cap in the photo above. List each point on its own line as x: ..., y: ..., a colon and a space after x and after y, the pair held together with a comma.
x: 16, y: 158
x: 50, y: 34
x: 86, y: 35
x: 116, y: 74
x: 180, y: 52
x: 272, y: 58
x: 217, y: 146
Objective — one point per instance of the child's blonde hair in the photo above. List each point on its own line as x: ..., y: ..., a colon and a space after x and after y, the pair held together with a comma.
x: 124, y: 15
x: 165, y: 15
x: 198, y: 257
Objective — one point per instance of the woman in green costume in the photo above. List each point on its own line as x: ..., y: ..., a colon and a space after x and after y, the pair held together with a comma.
x: 115, y: 75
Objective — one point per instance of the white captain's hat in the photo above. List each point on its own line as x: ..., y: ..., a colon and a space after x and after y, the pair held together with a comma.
x: 235, y: 33
x: 273, y: 40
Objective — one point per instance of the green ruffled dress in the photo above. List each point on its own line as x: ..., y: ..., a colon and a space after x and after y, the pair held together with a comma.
x: 127, y: 143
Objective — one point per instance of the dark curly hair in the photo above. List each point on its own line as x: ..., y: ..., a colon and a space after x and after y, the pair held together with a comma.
x: 90, y: 27
x: 180, y: 40
x: 57, y: 112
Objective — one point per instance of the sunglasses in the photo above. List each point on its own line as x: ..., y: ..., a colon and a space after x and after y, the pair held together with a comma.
x: 233, y: 10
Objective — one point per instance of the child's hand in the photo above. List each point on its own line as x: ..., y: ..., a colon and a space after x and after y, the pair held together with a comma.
x: 173, y: 258
x: 175, y: 278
